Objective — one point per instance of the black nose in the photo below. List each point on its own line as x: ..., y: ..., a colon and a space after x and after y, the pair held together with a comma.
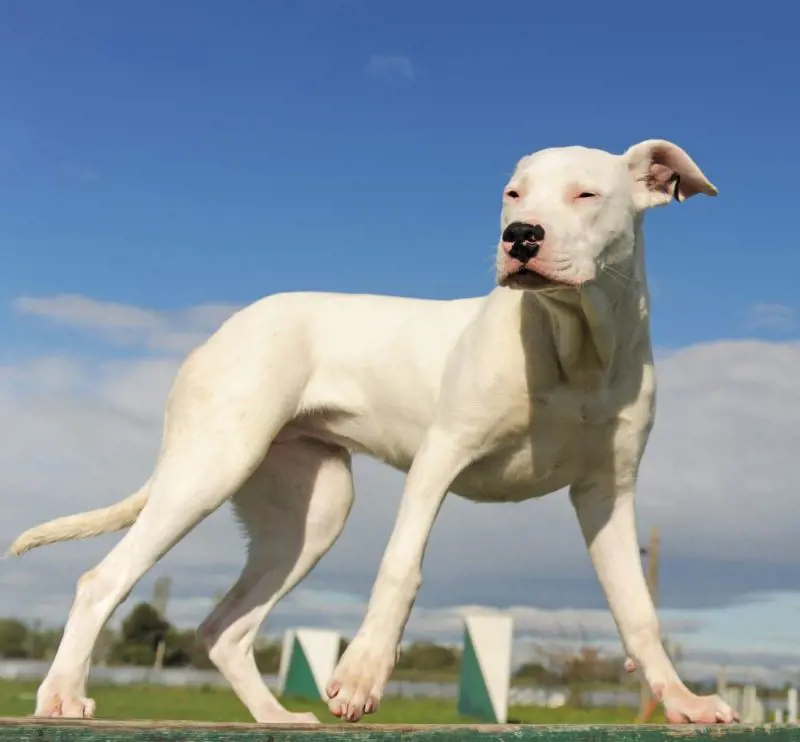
x: 522, y: 232
x: 524, y: 239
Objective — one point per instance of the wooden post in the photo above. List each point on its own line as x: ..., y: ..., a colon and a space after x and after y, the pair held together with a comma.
x: 161, y: 593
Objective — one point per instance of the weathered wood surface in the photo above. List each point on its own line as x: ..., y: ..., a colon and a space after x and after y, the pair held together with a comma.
x: 46, y: 730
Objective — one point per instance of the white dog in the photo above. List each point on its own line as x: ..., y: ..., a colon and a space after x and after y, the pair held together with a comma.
x: 546, y: 383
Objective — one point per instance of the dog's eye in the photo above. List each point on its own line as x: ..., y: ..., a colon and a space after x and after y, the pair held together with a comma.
x: 512, y: 194
x: 587, y: 194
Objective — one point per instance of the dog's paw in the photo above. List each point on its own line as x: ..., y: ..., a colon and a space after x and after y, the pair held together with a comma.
x: 67, y: 707
x: 359, y: 680
x: 683, y: 707
x: 630, y: 665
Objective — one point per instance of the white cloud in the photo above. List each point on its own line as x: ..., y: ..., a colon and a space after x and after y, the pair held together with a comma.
x: 390, y: 66
x: 718, y: 475
x: 718, y: 478
x: 122, y: 324
x: 566, y: 625
x: 771, y: 318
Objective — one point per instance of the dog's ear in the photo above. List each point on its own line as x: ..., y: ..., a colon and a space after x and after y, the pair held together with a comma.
x: 662, y: 171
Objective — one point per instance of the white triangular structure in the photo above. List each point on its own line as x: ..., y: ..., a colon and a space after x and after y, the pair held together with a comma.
x: 308, y: 659
x: 486, y: 667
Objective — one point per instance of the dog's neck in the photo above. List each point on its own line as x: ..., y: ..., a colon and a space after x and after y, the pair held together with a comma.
x: 605, y: 323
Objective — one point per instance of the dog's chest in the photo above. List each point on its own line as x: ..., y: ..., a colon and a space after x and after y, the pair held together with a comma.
x: 542, y: 447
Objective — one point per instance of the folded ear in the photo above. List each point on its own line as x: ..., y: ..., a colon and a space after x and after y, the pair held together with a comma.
x: 662, y: 171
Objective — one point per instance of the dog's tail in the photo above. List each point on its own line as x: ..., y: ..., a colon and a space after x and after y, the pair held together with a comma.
x: 83, y: 525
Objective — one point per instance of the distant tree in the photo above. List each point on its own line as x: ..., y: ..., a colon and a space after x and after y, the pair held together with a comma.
x: 106, y: 640
x: 268, y: 658
x: 131, y: 655
x: 144, y: 626
x: 44, y: 643
x: 185, y: 649
x: 182, y: 648
x: 428, y: 657
x: 14, y: 639
x: 536, y: 673
x: 588, y: 666
x: 141, y: 633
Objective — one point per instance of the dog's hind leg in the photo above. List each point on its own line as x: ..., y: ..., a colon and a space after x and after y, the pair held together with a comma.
x: 293, y: 510
x: 219, y: 425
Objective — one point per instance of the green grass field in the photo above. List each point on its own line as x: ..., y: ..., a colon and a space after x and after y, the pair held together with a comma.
x: 193, y: 704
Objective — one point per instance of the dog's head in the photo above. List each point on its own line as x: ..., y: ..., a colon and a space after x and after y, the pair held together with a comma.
x: 570, y: 212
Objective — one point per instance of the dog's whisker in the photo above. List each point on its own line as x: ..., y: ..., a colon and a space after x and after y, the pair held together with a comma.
x: 622, y: 278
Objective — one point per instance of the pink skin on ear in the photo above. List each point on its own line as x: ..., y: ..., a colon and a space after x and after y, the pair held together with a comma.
x: 662, y: 166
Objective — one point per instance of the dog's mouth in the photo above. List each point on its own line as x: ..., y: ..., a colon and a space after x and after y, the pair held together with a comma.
x: 531, y: 280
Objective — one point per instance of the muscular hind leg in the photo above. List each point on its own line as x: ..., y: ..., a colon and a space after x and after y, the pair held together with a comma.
x: 293, y: 510
x: 216, y: 436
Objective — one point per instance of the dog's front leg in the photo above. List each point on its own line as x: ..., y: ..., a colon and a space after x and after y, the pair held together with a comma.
x: 607, y: 519
x: 364, y: 669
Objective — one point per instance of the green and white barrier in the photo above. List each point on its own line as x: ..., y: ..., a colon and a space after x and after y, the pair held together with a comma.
x: 485, y: 667
x: 308, y: 659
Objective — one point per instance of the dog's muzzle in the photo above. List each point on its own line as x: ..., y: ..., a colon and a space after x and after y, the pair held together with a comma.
x: 525, y: 240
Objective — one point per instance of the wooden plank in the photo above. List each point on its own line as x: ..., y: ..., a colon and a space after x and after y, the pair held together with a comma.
x: 55, y: 730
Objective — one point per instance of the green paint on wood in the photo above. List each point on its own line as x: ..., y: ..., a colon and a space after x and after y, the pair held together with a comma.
x: 46, y: 730
x: 473, y: 695
x: 299, y: 681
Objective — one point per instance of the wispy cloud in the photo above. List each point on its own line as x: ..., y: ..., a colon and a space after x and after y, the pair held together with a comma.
x: 771, y: 317
x: 176, y: 331
x: 390, y: 66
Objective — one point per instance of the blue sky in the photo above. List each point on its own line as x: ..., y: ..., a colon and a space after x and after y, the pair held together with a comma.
x: 161, y: 154
x: 160, y: 157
